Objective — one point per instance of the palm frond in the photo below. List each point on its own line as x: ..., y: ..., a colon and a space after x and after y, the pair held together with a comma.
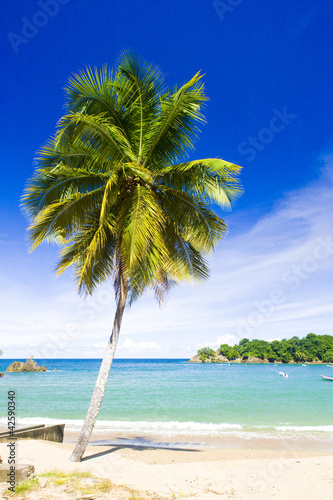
x: 52, y: 187
x: 212, y: 179
x: 91, y: 91
x: 186, y: 263
x: 198, y: 224
x: 110, y: 197
x: 91, y: 254
x: 96, y: 132
x: 57, y: 221
x: 143, y: 101
x: 141, y: 218
x: 176, y: 127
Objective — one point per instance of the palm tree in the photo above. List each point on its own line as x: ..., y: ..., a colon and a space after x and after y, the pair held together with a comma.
x: 113, y: 188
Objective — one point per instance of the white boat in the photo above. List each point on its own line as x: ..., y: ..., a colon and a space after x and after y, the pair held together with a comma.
x: 284, y: 374
x: 326, y: 378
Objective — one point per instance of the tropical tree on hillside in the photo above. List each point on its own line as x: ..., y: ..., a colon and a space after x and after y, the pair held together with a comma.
x: 114, y: 189
x: 206, y: 352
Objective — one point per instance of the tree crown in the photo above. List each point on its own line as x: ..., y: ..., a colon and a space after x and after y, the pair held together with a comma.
x: 112, y: 187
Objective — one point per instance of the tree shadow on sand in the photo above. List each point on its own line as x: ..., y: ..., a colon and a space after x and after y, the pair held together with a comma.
x: 140, y: 444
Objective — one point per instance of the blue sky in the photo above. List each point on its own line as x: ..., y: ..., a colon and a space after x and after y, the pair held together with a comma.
x: 268, y: 74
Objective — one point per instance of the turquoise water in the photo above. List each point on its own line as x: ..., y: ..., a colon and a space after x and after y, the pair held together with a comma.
x: 172, y: 397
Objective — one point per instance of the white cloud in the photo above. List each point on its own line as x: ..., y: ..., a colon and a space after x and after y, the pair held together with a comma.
x: 96, y: 346
x: 226, y: 339
x: 139, y: 346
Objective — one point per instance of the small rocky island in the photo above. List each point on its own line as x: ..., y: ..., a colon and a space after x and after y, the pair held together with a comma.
x: 29, y: 366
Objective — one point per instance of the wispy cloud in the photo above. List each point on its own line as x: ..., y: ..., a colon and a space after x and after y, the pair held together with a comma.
x: 130, y: 345
x: 271, y: 280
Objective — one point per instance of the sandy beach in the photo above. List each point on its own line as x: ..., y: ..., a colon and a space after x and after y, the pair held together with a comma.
x: 194, y: 472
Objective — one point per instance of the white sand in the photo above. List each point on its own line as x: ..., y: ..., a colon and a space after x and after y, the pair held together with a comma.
x: 199, y: 474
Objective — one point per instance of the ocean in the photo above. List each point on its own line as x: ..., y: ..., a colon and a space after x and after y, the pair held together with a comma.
x: 172, y: 398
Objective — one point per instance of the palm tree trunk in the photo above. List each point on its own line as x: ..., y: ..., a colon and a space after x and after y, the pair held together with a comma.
x: 98, y: 394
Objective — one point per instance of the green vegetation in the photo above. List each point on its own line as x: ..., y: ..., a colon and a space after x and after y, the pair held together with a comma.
x: 312, y: 348
x: 24, y: 487
x: 205, y: 353
x: 76, y: 481
x: 60, y: 474
x: 114, y: 189
x: 64, y: 484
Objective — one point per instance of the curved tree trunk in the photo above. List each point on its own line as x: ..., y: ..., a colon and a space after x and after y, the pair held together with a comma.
x: 98, y: 394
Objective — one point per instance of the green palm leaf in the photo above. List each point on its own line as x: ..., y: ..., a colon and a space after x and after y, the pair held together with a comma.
x: 212, y: 179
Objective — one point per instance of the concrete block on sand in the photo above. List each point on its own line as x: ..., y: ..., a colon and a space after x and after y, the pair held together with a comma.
x: 22, y: 472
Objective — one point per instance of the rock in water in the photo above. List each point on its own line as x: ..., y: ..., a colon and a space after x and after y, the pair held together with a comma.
x: 29, y: 366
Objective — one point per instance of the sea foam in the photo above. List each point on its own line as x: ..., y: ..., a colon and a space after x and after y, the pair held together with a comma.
x: 190, y: 429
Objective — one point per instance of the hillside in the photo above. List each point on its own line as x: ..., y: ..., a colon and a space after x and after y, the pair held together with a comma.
x: 310, y: 349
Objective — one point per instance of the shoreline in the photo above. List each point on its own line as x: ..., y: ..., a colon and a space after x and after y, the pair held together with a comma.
x: 147, y: 434
x: 281, y: 443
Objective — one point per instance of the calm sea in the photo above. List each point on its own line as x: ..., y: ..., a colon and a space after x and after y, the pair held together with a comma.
x: 174, y: 398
